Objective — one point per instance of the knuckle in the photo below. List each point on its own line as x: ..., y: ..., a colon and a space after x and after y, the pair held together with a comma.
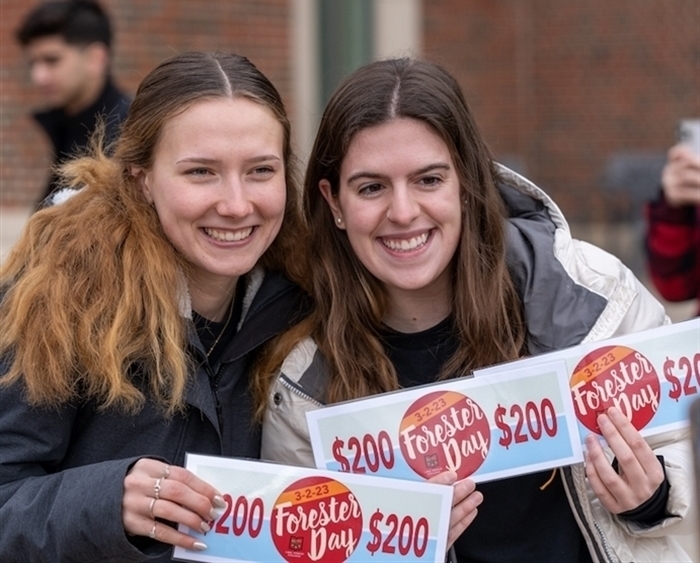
x: 177, y: 491
x: 638, y: 443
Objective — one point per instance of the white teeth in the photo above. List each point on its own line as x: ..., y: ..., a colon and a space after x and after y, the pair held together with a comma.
x: 405, y: 245
x: 229, y: 236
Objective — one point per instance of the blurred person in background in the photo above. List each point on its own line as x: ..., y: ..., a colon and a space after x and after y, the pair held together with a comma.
x: 673, y: 236
x: 67, y: 44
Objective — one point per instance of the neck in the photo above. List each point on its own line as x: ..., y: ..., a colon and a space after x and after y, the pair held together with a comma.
x: 408, y: 312
x: 212, y: 302
x: 86, y: 98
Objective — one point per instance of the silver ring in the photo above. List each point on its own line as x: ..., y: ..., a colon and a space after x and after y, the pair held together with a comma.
x: 166, y: 472
x: 152, y: 533
x: 157, y: 488
x: 150, y: 508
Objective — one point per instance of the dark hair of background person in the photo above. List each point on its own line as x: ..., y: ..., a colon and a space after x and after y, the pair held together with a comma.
x: 79, y: 22
x: 350, y: 302
x: 94, y: 286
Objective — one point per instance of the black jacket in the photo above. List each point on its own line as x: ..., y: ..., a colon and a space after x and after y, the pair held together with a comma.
x: 62, y: 471
x: 70, y: 134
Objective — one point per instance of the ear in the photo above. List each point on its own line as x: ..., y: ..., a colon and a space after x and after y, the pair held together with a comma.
x: 98, y: 55
x: 141, y: 178
x: 324, y: 187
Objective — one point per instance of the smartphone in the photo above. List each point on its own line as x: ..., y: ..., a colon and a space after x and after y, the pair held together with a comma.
x: 688, y: 133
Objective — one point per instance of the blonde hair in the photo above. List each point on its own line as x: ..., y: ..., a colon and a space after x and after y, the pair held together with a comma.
x: 92, y: 290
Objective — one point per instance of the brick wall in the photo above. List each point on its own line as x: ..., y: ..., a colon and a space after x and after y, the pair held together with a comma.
x: 146, y: 33
x: 560, y: 87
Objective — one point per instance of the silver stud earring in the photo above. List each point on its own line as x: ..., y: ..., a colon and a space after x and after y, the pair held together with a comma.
x: 339, y: 220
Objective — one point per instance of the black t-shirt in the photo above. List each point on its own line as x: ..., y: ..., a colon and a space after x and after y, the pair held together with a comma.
x: 520, y: 520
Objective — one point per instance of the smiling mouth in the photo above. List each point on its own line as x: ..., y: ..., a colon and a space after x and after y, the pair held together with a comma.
x: 406, y: 245
x: 229, y: 236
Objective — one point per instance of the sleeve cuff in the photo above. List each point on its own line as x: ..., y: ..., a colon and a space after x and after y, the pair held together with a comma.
x: 652, y: 511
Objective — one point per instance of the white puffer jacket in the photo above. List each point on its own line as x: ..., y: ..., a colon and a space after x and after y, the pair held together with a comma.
x: 573, y: 293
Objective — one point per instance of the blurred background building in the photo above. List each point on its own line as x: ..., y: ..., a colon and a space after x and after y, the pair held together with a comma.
x: 581, y: 96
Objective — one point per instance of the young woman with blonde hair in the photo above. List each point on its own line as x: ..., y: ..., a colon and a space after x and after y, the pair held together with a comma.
x: 132, y: 311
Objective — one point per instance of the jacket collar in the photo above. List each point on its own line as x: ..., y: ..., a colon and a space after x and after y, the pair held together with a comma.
x: 109, y: 97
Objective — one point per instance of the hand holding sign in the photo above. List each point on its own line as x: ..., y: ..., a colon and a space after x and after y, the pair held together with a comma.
x: 651, y: 377
x: 465, y: 501
x: 639, y: 471
x: 288, y: 514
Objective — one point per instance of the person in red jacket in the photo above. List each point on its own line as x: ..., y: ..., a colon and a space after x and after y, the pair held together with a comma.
x: 673, y: 235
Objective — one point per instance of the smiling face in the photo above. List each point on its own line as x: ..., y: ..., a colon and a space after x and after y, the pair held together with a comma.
x: 399, y: 201
x: 218, y: 186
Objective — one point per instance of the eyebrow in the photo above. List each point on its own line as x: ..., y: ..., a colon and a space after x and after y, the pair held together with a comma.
x: 205, y: 160
x: 374, y: 175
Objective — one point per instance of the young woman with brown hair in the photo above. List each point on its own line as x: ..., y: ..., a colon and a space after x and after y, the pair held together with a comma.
x: 430, y: 260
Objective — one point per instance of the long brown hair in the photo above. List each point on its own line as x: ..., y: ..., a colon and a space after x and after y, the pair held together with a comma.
x: 93, y: 286
x: 350, y: 302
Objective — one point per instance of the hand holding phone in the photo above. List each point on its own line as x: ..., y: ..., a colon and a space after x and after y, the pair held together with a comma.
x: 681, y: 175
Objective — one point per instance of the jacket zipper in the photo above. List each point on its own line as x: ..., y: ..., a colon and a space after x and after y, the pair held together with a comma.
x: 294, y: 388
x: 604, y: 540
x: 214, y: 384
x: 607, y: 555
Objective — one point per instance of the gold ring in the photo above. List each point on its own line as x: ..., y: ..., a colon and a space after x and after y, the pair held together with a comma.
x: 166, y: 472
x: 150, y: 508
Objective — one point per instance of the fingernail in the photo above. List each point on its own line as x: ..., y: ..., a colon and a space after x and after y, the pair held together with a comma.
x: 213, y: 513
x: 219, y: 502
x: 199, y: 546
x: 205, y: 527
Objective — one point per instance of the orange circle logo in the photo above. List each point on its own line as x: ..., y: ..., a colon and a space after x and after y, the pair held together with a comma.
x: 444, y: 431
x: 316, y: 519
x: 615, y: 376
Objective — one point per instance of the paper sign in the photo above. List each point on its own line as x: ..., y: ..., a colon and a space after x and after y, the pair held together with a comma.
x: 651, y: 376
x: 278, y: 513
x: 506, y: 425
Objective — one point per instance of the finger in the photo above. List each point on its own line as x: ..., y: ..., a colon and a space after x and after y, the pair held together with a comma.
x: 183, y: 494
x: 462, y: 489
x: 636, y: 456
x: 629, y: 470
x: 458, y: 529
x: 688, y: 195
x: 464, y: 511
x: 172, y: 512
x: 592, y: 456
x: 616, y: 434
x: 196, y: 484
x: 617, y: 493
x: 444, y: 478
x: 165, y: 534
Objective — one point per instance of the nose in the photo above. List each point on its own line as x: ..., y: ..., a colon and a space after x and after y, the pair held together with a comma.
x: 234, y: 199
x: 403, y: 208
x: 40, y: 74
